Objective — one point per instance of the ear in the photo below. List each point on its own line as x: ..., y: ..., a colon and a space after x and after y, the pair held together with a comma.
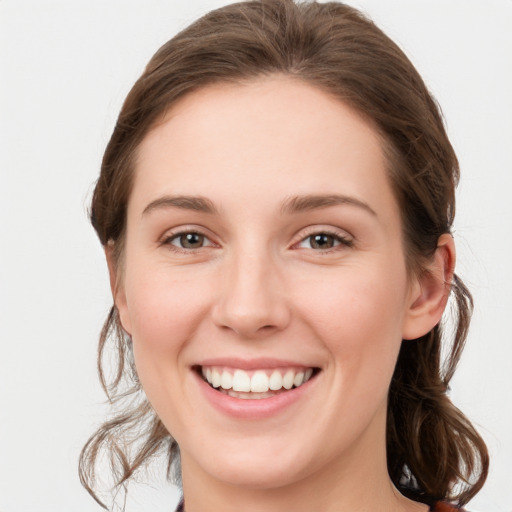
x: 430, y: 291
x: 117, y: 288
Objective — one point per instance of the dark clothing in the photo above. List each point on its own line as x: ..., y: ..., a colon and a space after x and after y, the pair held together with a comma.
x: 446, y: 507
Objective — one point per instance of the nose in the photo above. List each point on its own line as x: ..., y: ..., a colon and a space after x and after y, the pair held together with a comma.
x: 251, y: 300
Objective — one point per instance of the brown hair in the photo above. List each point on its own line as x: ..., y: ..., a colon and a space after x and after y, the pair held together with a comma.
x: 433, y: 450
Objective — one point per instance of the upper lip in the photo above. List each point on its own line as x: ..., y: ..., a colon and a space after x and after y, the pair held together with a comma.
x: 252, y: 364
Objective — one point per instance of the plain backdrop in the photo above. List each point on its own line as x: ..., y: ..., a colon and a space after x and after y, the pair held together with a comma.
x: 65, y: 68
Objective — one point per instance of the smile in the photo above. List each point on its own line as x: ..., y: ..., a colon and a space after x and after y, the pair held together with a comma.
x: 255, y: 384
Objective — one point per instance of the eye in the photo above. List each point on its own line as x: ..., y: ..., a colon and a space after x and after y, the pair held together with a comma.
x: 324, y: 241
x: 188, y: 240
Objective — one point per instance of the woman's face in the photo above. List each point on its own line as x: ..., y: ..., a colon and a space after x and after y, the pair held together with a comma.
x: 264, y: 247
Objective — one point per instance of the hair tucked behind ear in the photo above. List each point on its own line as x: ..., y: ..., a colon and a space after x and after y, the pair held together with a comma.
x: 434, y: 453
x: 433, y: 450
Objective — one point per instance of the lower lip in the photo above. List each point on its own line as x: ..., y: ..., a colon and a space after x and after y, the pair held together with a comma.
x: 253, y: 409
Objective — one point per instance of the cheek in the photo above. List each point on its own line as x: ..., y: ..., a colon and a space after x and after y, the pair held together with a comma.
x: 359, y: 317
x: 165, y: 310
x: 356, y: 301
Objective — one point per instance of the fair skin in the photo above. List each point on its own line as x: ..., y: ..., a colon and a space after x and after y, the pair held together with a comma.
x: 263, y: 237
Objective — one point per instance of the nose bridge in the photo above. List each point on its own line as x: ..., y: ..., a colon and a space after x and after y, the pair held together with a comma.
x: 251, y: 297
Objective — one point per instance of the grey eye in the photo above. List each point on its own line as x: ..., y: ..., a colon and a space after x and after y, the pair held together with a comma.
x: 324, y: 241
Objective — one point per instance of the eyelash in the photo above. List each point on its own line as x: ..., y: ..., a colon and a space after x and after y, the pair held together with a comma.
x: 339, y: 240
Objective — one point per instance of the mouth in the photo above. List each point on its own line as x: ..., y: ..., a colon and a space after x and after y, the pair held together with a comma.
x: 255, y: 384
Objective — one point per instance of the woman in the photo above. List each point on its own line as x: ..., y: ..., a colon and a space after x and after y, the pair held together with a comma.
x: 275, y: 204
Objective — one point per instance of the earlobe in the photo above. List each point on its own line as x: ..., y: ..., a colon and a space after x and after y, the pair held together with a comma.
x: 117, y: 288
x: 430, y: 291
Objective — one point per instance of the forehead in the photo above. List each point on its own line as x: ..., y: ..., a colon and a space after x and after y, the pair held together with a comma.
x: 274, y: 134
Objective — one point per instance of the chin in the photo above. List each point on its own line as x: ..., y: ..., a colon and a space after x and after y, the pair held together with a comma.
x: 257, y: 468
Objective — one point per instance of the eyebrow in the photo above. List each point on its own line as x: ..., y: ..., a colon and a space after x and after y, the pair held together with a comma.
x: 196, y: 203
x: 295, y: 204
x: 312, y: 202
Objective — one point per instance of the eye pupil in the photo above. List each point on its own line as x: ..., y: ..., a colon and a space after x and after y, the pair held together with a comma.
x: 191, y: 240
x: 322, y: 241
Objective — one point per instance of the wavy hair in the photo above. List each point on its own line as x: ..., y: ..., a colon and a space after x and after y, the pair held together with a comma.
x: 433, y: 451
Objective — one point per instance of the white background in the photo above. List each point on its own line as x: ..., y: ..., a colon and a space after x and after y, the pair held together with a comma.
x: 65, y: 67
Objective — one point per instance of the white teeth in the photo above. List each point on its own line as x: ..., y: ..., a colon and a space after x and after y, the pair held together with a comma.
x: 288, y: 379
x: 276, y: 381
x: 298, y: 379
x: 226, y: 381
x: 216, y: 378
x: 259, y: 382
x: 241, y: 381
